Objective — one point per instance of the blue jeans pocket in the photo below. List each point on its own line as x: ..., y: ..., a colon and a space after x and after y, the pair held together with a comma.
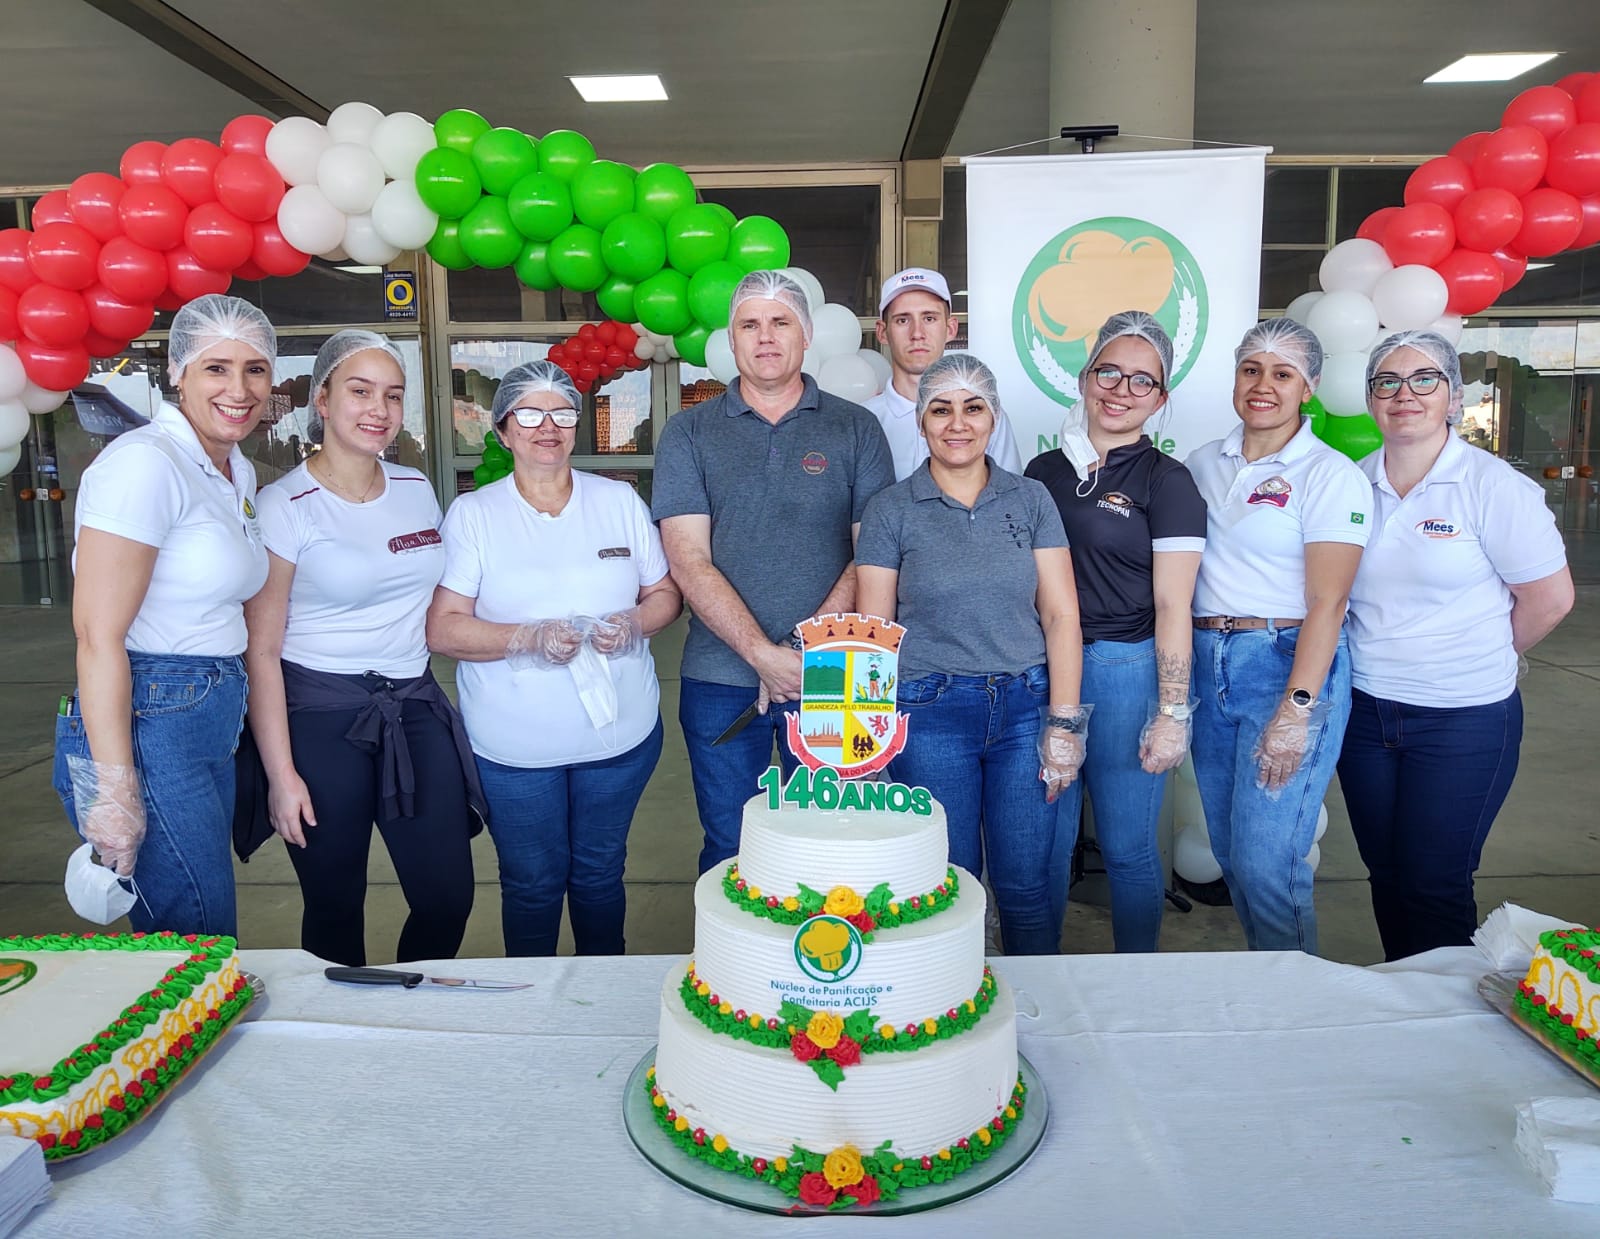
x: 923, y: 692
x: 172, y: 693
x: 1119, y: 653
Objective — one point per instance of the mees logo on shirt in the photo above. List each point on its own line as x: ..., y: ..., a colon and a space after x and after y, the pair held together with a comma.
x: 1434, y: 527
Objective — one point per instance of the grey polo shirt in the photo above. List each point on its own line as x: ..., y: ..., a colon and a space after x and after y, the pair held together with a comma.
x: 782, y: 499
x: 968, y: 584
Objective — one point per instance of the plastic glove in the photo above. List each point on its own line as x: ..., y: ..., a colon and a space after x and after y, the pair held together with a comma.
x: 1283, y: 743
x: 1063, y: 736
x: 616, y: 634
x: 1165, y: 740
x: 545, y: 643
x: 110, y: 808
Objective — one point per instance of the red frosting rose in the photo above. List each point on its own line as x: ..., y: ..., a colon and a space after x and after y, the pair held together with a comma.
x: 866, y: 1192
x: 862, y: 921
x: 816, y: 1190
x: 804, y: 1048
x: 846, y: 1052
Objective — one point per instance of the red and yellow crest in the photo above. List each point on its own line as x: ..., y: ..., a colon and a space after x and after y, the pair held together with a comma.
x: 847, y: 719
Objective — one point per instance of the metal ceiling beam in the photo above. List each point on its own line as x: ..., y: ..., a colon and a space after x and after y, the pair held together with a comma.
x: 965, y: 33
x: 192, y: 43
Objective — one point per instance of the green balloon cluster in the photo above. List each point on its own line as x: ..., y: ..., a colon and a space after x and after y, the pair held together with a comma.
x: 1356, y: 435
x: 496, y: 462
x: 560, y: 217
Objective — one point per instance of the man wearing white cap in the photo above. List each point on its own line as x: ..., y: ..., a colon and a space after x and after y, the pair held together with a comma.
x: 915, y: 321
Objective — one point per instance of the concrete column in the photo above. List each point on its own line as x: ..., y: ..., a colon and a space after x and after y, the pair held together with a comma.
x: 1123, y: 62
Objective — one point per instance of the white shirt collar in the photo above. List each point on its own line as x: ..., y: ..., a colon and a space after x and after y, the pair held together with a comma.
x: 171, y: 419
x: 1297, y: 446
x: 897, y: 404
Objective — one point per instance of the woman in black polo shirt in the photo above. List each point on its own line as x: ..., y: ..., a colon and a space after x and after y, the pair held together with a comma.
x: 1136, y: 525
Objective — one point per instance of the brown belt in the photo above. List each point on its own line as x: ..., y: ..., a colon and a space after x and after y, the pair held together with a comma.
x: 1241, y: 623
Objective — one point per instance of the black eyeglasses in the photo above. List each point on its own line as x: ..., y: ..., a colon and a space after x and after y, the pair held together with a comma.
x: 1139, y: 383
x: 1387, y: 386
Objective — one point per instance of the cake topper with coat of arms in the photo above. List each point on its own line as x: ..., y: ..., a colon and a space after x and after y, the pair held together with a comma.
x: 847, y: 720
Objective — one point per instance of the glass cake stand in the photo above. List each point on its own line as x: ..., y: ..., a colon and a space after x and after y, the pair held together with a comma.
x: 733, y: 1189
x: 1499, y: 990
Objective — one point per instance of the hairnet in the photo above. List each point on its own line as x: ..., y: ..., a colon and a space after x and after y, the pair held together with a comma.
x: 340, y: 348
x: 957, y: 372
x: 773, y: 286
x: 1295, y: 343
x: 1436, y: 349
x: 528, y: 378
x: 209, y: 320
x: 1140, y: 325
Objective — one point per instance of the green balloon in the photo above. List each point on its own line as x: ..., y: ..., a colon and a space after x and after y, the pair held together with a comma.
x: 759, y: 244
x: 459, y: 128
x: 533, y: 267
x: 661, y: 191
x: 1355, y: 435
x: 562, y: 152
x: 445, y: 248
x: 616, y: 299
x: 575, y: 259
x: 662, y: 302
x: 634, y: 246
x: 601, y: 191
x: 482, y: 476
x: 541, y: 206
x: 728, y: 217
x: 488, y: 235
x: 503, y: 157
x: 696, y: 235
x: 710, y: 291
x: 691, y: 342
x: 494, y: 451
x: 448, y: 182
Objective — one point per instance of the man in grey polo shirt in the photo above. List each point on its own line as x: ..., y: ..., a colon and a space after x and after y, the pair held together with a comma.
x: 758, y: 493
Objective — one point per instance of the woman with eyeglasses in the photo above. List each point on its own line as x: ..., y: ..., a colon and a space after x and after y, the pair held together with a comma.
x: 1136, y: 526
x: 554, y: 582
x: 1465, y: 572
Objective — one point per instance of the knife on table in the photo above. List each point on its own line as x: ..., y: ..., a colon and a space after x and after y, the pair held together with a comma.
x: 389, y: 976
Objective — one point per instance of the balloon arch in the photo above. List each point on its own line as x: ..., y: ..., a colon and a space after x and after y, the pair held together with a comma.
x: 185, y: 219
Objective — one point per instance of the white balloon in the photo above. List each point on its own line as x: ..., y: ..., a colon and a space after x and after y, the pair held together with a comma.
x: 337, y: 254
x: 13, y: 378
x: 14, y: 422
x: 1410, y: 297
x: 835, y: 332
x: 353, y: 122
x: 8, y: 459
x: 1344, y: 322
x: 848, y: 377
x: 719, y: 356
x: 399, y: 141
x: 1353, y: 266
x: 1301, y: 305
x: 810, y: 362
x: 1322, y: 823
x: 1314, y: 856
x: 643, y: 349
x: 1450, y: 326
x: 294, y: 145
x: 660, y: 354
x: 308, y: 221
x: 1344, y: 383
x: 815, y: 297
x: 1192, y: 858
x: 880, y: 367
x: 363, y: 243
x: 402, y: 218
x: 41, y: 399
x: 350, y: 176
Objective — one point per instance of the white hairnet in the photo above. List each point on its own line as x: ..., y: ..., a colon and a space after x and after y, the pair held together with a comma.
x: 209, y: 320
x: 1295, y: 343
x: 1436, y: 349
x: 532, y: 376
x: 773, y: 286
x: 1140, y: 325
x: 957, y: 372
x: 340, y: 348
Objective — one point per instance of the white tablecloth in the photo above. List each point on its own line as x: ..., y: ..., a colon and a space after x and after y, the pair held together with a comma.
x: 1236, y: 1094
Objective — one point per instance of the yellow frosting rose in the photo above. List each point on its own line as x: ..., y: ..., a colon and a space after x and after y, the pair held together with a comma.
x: 791, y: 904
x: 720, y: 1143
x: 780, y: 1164
x: 842, y: 1167
x: 825, y: 1029
x: 842, y: 901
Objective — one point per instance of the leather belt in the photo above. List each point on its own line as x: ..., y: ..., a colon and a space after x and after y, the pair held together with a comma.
x: 1241, y: 623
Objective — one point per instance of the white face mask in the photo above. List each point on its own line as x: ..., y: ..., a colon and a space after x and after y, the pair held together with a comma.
x: 591, y: 674
x: 95, y: 892
x: 1075, y: 446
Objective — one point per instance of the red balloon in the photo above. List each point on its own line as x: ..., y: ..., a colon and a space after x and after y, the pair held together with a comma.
x: 15, y: 273
x: 1551, y: 221
x: 1549, y: 109
x: 246, y: 135
x: 112, y: 316
x: 616, y: 359
x: 132, y: 272
x: 189, y: 278
x: 1513, y: 264
x: 54, y: 208
x: 104, y: 346
x: 141, y: 163
x: 587, y: 332
x: 1574, y: 165
x: 188, y: 168
x: 1486, y: 219
x: 273, y: 254
x: 94, y: 197
x: 1466, y: 150
x: 1589, y: 101
x: 52, y: 316
x: 1445, y: 180
x: 153, y: 216
x: 588, y: 372
x: 247, y: 270
x: 219, y: 239
x: 1511, y: 159
x: 54, y: 369
x: 1474, y: 280
x: 249, y: 187
x: 1574, y: 83
x: 606, y: 332
x: 9, y: 330
x: 594, y: 351
x: 1588, y: 235
x: 64, y: 255
x: 1421, y: 233
x: 167, y: 301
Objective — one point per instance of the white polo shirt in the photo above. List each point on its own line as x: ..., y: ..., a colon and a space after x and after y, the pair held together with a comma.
x: 898, y: 417
x: 1261, y: 514
x: 520, y: 565
x: 1430, y: 612
x: 156, y: 485
x: 364, y: 572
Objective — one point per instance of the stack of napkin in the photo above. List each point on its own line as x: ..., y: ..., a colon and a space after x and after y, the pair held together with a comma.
x: 1560, y: 1138
x: 23, y: 1182
x: 1509, y: 936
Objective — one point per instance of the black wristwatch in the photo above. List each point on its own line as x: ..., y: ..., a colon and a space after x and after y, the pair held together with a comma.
x: 1301, y: 698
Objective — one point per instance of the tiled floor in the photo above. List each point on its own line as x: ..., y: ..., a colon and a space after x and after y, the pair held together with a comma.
x: 1544, y: 851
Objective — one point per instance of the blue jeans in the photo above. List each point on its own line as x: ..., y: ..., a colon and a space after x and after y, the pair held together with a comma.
x: 1423, y: 785
x: 561, y: 833
x: 1119, y: 680
x: 1261, y: 838
x: 725, y: 774
x: 187, y: 714
x: 973, y: 742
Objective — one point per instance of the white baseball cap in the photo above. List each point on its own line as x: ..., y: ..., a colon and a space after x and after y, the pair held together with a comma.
x: 910, y: 280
